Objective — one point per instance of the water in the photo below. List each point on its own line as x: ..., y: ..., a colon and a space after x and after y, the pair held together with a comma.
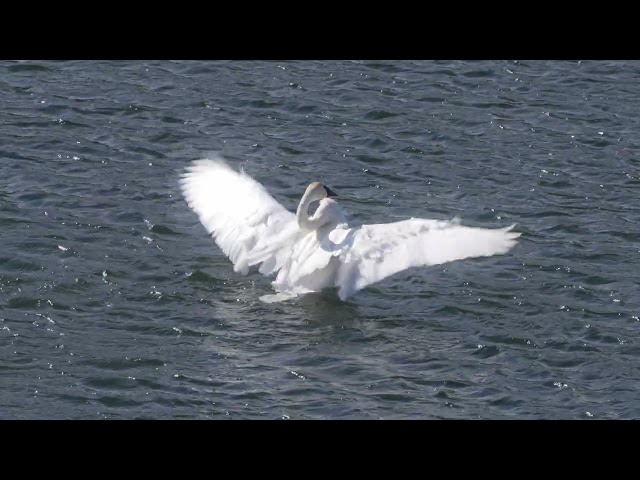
x: 114, y: 303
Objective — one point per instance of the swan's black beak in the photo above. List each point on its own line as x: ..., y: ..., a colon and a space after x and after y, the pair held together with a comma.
x: 330, y: 193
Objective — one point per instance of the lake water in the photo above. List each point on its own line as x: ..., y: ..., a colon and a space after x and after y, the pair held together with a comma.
x: 114, y: 302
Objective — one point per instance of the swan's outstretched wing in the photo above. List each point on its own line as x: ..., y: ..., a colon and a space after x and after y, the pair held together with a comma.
x: 248, y: 225
x: 373, y: 252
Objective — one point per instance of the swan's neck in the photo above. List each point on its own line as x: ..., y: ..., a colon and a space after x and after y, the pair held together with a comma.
x: 302, y: 214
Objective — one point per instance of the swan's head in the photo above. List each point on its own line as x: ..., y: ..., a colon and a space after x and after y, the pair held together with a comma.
x: 318, y: 191
x: 325, y: 212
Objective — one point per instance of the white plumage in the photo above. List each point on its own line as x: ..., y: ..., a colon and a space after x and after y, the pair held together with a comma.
x: 321, y: 251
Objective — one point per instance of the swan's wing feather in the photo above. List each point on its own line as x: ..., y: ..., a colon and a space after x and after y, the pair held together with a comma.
x: 374, y: 252
x: 248, y: 225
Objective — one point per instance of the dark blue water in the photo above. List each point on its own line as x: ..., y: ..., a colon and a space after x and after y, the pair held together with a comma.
x: 114, y: 303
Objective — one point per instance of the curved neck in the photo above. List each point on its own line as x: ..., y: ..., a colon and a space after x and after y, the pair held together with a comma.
x: 302, y: 214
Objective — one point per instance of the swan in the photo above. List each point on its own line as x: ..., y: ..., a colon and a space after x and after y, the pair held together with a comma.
x: 310, y: 253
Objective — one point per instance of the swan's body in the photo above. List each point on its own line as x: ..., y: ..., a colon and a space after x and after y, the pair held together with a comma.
x: 321, y: 251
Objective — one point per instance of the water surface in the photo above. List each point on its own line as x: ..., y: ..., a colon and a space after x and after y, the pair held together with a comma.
x: 114, y: 303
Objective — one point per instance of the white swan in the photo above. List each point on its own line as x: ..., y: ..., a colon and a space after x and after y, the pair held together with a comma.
x: 312, y: 253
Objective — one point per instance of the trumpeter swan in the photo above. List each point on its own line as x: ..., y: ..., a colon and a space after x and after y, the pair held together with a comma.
x: 310, y: 253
